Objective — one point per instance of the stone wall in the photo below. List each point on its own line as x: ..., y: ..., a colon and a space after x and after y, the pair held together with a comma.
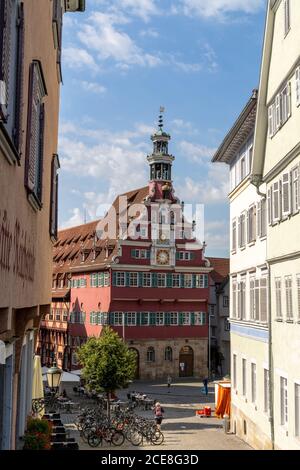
x: 248, y: 431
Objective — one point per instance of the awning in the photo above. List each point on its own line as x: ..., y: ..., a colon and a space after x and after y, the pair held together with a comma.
x: 224, y: 400
x: 2, y: 352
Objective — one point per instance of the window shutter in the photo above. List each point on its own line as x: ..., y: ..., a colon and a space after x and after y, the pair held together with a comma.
x: 177, y: 255
x: 180, y: 318
x: 152, y: 318
x: 133, y: 253
x: 138, y: 318
x: 54, y: 197
x: 32, y: 131
x: 114, y: 279
x: 298, y: 86
x: 194, y: 281
x: 192, y: 318
x: 182, y: 281
x: 277, y: 112
x: 271, y: 132
x: 18, y: 118
x: 5, y: 51
x: 286, y: 199
x: 193, y: 256
x: 167, y: 318
x: 259, y: 225
x: 299, y: 183
x: 40, y: 162
x: 270, y: 211
x: 140, y: 279
x: 169, y: 280
x: 111, y: 318
x: 154, y: 279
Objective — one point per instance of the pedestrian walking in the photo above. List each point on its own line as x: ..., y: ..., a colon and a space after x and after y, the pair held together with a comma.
x: 169, y: 382
x: 158, y: 414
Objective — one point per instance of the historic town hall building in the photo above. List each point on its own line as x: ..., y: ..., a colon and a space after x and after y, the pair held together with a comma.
x: 141, y: 270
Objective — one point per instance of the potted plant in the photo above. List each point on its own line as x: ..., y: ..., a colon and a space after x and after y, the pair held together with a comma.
x: 38, y: 434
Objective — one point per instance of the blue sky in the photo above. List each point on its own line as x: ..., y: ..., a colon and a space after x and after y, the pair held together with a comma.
x: 122, y: 60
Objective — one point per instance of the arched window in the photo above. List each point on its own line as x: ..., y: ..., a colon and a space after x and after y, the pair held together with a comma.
x: 168, y: 354
x: 150, y: 355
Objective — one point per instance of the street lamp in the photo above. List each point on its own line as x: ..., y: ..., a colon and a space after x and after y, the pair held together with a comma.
x: 54, y: 375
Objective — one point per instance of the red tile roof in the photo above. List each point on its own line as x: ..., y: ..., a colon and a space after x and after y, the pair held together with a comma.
x: 78, y: 248
x: 221, y: 268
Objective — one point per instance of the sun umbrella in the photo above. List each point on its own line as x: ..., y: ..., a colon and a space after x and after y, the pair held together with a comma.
x: 37, y: 383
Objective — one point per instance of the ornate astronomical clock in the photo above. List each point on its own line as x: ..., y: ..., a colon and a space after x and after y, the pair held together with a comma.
x: 163, y: 257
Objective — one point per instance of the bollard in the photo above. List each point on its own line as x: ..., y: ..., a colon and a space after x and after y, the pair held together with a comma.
x: 226, y: 424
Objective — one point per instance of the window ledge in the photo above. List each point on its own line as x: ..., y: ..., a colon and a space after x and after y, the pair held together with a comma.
x: 242, y: 248
x: 279, y: 320
x: 289, y: 321
x: 35, y: 204
x: 252, y: 243
x: 6, y: 145
x: 233, y: 252
x: 262, y: 239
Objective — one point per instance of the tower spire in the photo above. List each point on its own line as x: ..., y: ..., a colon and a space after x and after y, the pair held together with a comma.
x: 161, y: 118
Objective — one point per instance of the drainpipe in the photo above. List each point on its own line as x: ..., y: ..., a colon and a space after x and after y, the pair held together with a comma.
x: 256, y: 180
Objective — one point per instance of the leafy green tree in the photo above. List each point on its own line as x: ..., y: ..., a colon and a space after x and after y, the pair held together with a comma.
x: 107, y: 363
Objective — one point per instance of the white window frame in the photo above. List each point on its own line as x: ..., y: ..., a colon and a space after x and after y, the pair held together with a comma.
x: 234, y: 370
x: 287, y: 16
x: 147, y: 280
x: 298, y: 295
x: 133, y: 279
x: 297, y: 77
x: 161, y: 280
x: 288, y: 281
x: 173, y: 318
x: 297, y: 410
x: 120, y: 279
x: 244, y: 377
x: 131, y: 318
x: 188, y: 281
x: 143, y: 316
x: 266, y: 390
x: 186, y: 318
x: 176, y: 281
x: 278, y: 290
x: 286, y: 194
x: 276, y: 202
x: 283, y: 401
x: 159, y: 318
x: 295, y: 190
x: 118, y: 318
x: 234, y: 235
x: 253, y: 382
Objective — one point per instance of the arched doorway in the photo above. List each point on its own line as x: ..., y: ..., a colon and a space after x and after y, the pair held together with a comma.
x: 186, y: 362
x: 137, y: 370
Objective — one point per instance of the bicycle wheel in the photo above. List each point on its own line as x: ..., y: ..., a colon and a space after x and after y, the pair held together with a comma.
x: 94, y: 440
x: 134, y: 437
x: 117, y: 438
x: 157, y: 438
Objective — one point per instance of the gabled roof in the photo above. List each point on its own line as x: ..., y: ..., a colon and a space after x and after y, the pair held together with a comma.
x: 221, y: 267
x: 79, y: 247
x: 239, y: 133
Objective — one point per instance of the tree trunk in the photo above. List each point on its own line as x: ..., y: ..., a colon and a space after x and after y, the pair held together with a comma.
x: 108, y: 405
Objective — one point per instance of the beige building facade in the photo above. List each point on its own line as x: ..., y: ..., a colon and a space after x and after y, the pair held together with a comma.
x: 277, y: 165
x: 30, y: 44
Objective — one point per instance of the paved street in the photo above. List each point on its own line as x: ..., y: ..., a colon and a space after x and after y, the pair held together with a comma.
x: 183, y: 430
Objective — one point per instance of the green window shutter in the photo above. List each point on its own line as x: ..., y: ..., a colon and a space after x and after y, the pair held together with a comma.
x: 152, y: 318
x: 138, y: 318
x: 91, y: 318
x: 203, y: 319
x: 193, y: 256
x: 177, y: 255
x: 194, y: 281
x: 192, y: 318
x: 148, y: 254
x: 111, y: 318
x: 140, y: 279
x: 167, y: 318
x: 169, y: 280
x: 133, y: 253
x: 125, y: 318
x: 206, y: 280
x: 127, y: 279
x: 154, y: 279
x: 114, y: 279
x: 181, y: 280
x: 101, y: 279
x: 180, y: 318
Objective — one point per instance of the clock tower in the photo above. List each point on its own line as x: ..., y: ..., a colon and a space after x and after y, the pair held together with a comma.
x: 161, y: 199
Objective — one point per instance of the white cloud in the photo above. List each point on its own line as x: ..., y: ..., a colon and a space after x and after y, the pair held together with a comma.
x: 142, y: 8
x: 101, y: 36
x: 78, y: 58
x: 213, y: 189
x: 220, y: 8
x: 151, y: 33
x: 93, y: 87
x: 75, y: 219
x: 196, y: 153
x: 210, y: 58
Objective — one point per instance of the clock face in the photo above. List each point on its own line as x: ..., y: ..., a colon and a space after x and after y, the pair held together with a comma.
x: 163, y: 257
